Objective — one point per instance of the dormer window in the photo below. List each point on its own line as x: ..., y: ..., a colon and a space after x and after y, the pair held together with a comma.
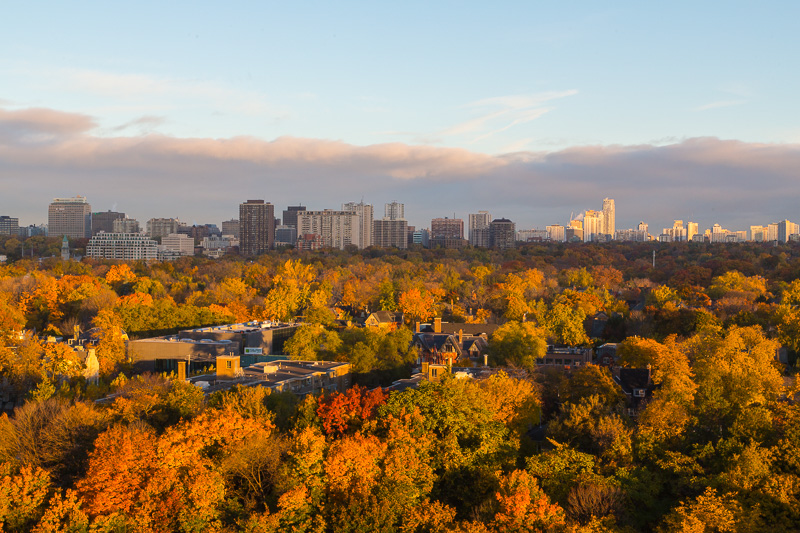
x: 639, y: 393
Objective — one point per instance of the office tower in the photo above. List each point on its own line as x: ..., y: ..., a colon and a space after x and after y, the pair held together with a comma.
x: 104, y: 221
x: 256, y: 227
x: 389, y: 233
x: 556, y: 233
x: 161, y: 227
x: 421, y: 237
x: 71, y: 217
x: 609, y: 217
x: 285, y: 235
x: 230, y: 227
x: 125, y: 225
x: 394, y: 211
x: 9, y: 225
x: 362, y: 237
x: 336, y: 229
x: 479, y: 228
x: 593, y: 226
x: 123, y: 246
x: 502, y: 233
x: 290, y: 214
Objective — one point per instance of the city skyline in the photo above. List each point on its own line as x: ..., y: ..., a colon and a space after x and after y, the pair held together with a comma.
x: 524, y: 110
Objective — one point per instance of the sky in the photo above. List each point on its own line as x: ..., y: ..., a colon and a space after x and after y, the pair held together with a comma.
x: 530, y: 110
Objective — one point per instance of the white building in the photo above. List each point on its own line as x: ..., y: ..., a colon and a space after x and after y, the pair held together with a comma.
x: 177, y: 244
x: 556, y: 233
x: 161, y: 227
x: 394, y: 211
x: 609, y: 217
x: 479, y: 228
x: 122, y: 246
x: 593, y: 226
x: 125, y: 225
x: 362, y: 232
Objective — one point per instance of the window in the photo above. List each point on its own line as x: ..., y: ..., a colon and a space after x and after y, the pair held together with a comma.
x: 639, y: 393
x: 228, y: 364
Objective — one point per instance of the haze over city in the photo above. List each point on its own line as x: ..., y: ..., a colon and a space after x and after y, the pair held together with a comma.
x: 531, y: 112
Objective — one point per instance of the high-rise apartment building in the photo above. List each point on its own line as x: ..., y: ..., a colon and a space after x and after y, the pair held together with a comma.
x: 479, y: 228
x: 593, y: 226
x: 71, y: 217
x: 230, y: 227
x: 785, y: 229
x: 692, y: 229
x: 104, y: 221
x: 502, y: 233
x: 125, y: 225
x: 256, y: 227
x: 394, y: 211
x: 336, y: 229
x: 757, y: 233
x: 609, y: 217
x: 556, y: 233
x: 122, y: 246
x: 362, y: 236
x: 161, y: 227
x: 450, y: 228
x: 290, y: 215
x: 9, y: 225
x: 389, y: 233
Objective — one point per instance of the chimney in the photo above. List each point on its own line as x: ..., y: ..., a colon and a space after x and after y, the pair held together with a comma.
x: 461, y: 337
x: 437, y: 325
x: 486, y: 359
x: 417, y: 327
x: 181, y: 370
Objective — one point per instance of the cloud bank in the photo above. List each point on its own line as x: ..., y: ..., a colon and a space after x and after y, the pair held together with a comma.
x: 47, y: 153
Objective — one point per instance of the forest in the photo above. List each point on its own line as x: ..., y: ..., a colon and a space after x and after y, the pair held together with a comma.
x: 716, y: 447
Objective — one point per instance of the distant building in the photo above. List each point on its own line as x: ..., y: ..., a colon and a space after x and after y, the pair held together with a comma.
x: 71, y: 217
x: 421, y: 237
x: 390, y: 233
x: 556, y: 233
x: 161, y: 227
x: 104, y: 221
x: 394, y: 211
x: 593, y: 226
x: 310, y: 242
x: 479, y: 229
x: 230, y: 227
x: 125, y: 225
x: 451, y: 228
x: 574, y: 232
x: 290, y: 215
x: 122, y: 246
x: 215, y: 246
x: 362, y: 234
x: 532, y: 235
x: 176, y: 244
x: 285, y: 235
x: 256, y: 227
x: 9, y: 225
x: 336, y: 229
x: 609, y: 217
x: 502, y: 234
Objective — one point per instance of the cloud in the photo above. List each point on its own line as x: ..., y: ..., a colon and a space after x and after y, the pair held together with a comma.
x: 513, y: 111
x: 719, y: 104
x: 706, y: 180
x: 41, y: 125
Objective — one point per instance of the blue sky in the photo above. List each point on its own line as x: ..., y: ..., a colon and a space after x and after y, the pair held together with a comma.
x: 475, y: 81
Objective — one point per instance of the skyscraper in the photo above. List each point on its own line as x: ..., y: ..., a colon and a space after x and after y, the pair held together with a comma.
x: 394, y: 211
x: 593, y: 225
x: 290, y: 215
x: 71, y: 217
x: 362, y: 236
x: 256, y: 227
x: 479, y: 228
x: 609, y: 217
x: 502, y: 233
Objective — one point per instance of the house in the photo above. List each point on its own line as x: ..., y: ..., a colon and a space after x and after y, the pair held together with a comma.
x: 437, y: 348
x: 565, y: 356
x: 637, y: 385
x: 387, y: 320
x: 606, y: 354
x: 473, y: 339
